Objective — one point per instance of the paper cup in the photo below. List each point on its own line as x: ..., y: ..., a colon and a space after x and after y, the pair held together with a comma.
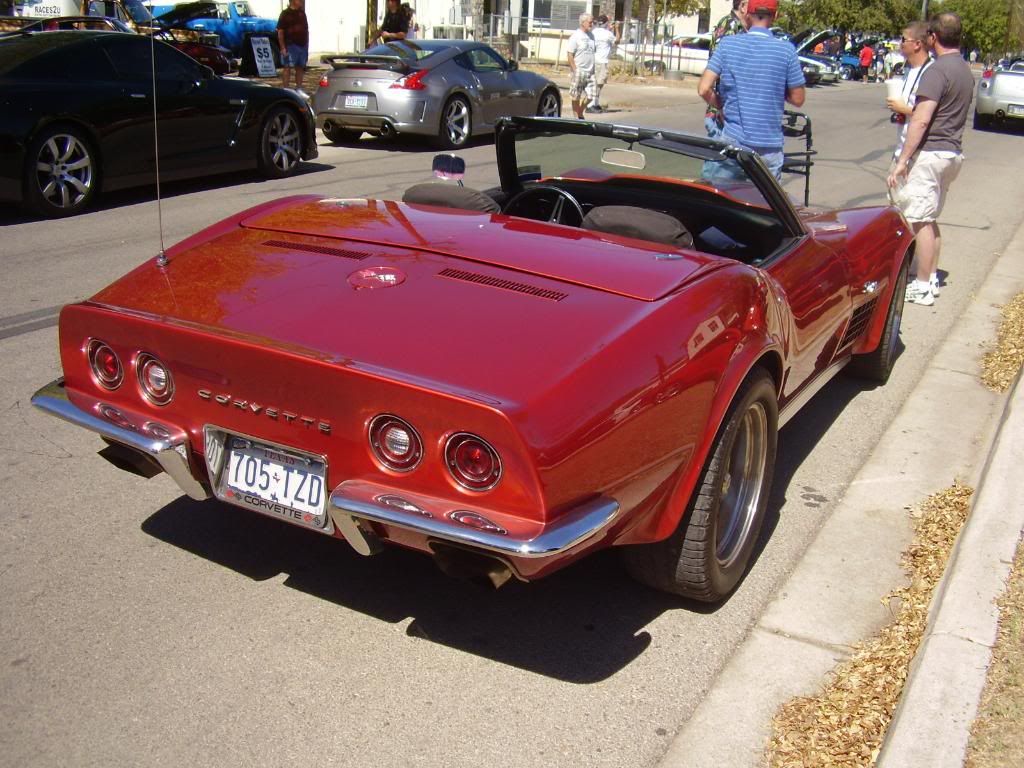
x: 894, y: 89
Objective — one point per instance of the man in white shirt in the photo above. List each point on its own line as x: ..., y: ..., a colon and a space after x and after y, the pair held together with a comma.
x: 914, y: 47
x: 605, y: 41
x: 580, y: 53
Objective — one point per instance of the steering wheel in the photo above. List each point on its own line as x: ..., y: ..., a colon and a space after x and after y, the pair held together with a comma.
x: 544, y: 202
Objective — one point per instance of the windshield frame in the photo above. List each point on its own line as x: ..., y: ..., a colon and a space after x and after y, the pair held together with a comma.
x: 698, y: 147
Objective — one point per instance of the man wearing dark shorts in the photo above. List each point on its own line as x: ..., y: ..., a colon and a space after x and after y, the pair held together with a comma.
x: 293, y: 38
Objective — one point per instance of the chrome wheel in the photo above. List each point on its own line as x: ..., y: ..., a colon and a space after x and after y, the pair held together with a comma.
x: 742, y: 483
x: 284, y: 144
x: 456, y: 122
x: 64, y: 171
x: 549, y: 106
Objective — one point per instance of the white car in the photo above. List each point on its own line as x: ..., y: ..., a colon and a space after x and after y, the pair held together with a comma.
x: 1000, y: 95
x: 684, y: 53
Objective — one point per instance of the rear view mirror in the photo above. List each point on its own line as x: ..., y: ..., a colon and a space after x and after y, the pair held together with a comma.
x: 449, y: 167
x: 624, y: 158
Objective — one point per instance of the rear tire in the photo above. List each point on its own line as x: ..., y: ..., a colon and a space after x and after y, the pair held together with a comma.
x: 456, y: 127
x: 337, y: 135
x: 280, y: 148
x: 61, y: 172
x: 550, y: 104
x: 708, y: 553
x: 876, y: 366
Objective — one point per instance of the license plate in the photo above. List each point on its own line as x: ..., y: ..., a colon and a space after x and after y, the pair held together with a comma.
x: 276, y: 481
x: 1015, y: 109
x: 356, y: 100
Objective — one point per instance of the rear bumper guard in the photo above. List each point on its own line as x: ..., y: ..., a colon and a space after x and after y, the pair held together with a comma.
x: 364, y: 500
x: 165, y: 444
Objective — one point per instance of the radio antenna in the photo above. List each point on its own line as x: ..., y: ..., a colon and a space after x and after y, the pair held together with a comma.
x: 161, y: 258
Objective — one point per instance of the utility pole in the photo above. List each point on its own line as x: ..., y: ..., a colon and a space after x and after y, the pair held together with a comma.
x: 924, y: 10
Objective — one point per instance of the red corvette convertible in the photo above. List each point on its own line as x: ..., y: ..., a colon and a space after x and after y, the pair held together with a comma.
x: 598, y: 353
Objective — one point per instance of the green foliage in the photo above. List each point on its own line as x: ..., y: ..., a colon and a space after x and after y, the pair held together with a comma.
x: 985, y: 24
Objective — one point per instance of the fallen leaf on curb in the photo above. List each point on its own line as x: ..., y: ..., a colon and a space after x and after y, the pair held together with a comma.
x: 843, y: 726
x: 1000, y: 365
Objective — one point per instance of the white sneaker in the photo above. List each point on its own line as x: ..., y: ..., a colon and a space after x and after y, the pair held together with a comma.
x: 920, y: 293
x: 933, y: 284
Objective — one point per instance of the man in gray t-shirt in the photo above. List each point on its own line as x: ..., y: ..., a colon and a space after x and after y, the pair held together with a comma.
x: 931, y: 155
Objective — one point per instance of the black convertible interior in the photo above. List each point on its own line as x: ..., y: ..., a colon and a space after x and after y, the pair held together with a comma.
x: 681, y: 216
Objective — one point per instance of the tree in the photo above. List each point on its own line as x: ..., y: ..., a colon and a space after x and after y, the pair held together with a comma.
x: 656, y: 10
x: 985, y: 24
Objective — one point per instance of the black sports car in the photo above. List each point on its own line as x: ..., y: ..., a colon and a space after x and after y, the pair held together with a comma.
x: 76, y: 113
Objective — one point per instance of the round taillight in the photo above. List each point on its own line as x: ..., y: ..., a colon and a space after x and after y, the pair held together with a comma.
x: 105, y: 364
x: 154, y: 379
x: 472, y: 461
x: 395, y: 443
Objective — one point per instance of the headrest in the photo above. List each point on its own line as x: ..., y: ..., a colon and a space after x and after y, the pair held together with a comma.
x: 630, y: 221
x: 450, y: 196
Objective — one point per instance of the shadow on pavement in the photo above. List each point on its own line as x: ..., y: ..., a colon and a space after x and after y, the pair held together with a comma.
x: 580, y: 625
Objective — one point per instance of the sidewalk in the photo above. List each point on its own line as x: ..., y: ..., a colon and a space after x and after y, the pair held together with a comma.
x: 832, y: 599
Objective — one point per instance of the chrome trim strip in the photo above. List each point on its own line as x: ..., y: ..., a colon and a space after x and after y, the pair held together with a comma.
x: 572, y: 528
x: 171, y: 454
x: 791, y: 408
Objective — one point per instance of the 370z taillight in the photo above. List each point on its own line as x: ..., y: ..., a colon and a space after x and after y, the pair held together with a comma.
x: 412, y: 82
x: 105, y: 364
x: 155, y: 380
x: 395, y: 443
x: 472, y: 462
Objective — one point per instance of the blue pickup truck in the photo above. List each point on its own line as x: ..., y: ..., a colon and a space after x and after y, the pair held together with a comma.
x: 233, y: 22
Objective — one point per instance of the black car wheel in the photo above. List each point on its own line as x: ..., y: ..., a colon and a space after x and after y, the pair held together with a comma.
x: 846, y: 72
x: 338, y: 135
x: 708, y: 553
x: 280, y: 143
x: 62, y: 172
x: 876, y: 366
x: 456, y: 124
x: 550, y: 104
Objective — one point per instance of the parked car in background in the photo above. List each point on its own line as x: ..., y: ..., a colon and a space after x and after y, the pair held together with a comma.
x: 1000, y: 95
x: 599, y: 353
x: 216, y: 58
x: 233, y: 22
x: 450, y: 90
x: 78, y: 118
x: 684, y: 53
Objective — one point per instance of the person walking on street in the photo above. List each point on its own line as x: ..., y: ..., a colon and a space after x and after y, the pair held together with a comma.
x: 867, y: 55
x: 733, y: 23
x: 581, y: 52
x: 755, y: 74
x: 395, y: 25
x: 293, y: 40
x: 932, y: 152
x: 605, y: 41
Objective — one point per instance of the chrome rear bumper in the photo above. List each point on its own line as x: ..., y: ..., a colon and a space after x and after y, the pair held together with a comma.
x: 363, y: 500
x: 169, y: 450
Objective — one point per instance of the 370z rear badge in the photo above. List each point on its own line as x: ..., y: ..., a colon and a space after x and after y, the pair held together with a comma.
x: 271, y: 412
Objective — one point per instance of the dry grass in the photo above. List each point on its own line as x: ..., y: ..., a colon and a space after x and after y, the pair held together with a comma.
x: 997, y: 737
x: 1000, y: 365
x: 845, y: 723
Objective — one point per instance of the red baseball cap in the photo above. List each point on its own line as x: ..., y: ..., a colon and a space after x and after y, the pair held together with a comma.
x: 753, y: 6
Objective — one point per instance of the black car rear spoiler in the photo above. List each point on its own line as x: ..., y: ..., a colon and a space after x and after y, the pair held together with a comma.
x: 365, y: 61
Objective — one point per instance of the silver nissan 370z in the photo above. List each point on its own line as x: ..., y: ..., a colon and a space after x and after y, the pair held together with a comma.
x: 450, y: 90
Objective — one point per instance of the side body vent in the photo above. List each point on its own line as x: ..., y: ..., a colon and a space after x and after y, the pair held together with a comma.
x: 859, y: 321
x: 322, y: 249
x: 497, y: 282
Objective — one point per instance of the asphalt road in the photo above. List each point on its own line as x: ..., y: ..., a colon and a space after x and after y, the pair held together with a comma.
x: 138, y: 627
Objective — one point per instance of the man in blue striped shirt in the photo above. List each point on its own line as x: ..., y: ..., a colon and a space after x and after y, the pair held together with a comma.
x: 756, y: 74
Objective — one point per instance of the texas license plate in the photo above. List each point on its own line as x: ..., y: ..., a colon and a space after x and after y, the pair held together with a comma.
x: 276, y: 481
x: 1015, y: 109
x: 356, y: 100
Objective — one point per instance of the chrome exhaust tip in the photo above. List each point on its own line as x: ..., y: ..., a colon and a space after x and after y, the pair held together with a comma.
x: 467, y: 565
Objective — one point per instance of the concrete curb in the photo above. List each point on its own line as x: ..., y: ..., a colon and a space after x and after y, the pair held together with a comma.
x: 831, y: 600
x: 931, y: 725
